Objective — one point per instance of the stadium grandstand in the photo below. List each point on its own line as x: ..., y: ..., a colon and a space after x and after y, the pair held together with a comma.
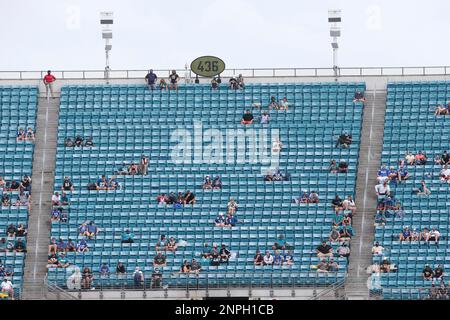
x: 210, y: 182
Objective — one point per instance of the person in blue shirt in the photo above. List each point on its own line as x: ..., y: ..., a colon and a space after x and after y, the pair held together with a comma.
x: 231, y: 220
x: 102, y: 183
x: 289, y: 258
x: 127, y: 236
x: 92, y: 229
x: 382, y: 174
x: 393, y: 175
x: 56, y: 214
x: 113, y: 184
x: 403, y: 174
x: 405, y: 235
x: 277, y: 258
x: 151, y: 79
x: 82, y: 246
x: 104, y: 269
x: 61, y: 246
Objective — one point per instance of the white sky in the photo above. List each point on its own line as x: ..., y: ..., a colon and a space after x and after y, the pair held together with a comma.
x: 66, y: 34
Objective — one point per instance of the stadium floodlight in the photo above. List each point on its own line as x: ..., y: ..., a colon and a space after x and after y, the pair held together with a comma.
x: 106, y: 21
x: 335, y: 18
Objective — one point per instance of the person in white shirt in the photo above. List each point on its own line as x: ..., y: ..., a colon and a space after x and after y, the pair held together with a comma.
x: 284, y: 105
x: 7, y: 287
x: 276, y: 146
x: 410, y: 158
x: 265, y: 118
x: 268, y: 258
x: 434, y: 235
x: 56, y: 199
x: 445, y: 174
x: 382, y: 189
x: 377, y: 249
x: 349, y: 204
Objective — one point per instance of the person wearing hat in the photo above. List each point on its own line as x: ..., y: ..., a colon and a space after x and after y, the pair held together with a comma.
x: 427, y: 273
x: 138, y: 277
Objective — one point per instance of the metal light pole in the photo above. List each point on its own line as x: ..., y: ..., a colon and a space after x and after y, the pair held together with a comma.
x: 334, y: 18
x: 106, y: 21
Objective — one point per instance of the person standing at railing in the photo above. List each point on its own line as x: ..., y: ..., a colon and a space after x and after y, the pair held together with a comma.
x: 151, y: 78
x: 49, y: 79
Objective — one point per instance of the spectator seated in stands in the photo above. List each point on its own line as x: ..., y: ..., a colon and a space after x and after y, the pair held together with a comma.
x: 403, y: 174
x: 273, y: 103
x: 333, y: 266
x: 133, y: 169
x: 207, y: 182
x: 346, y: 231
x: 433, y: 235
x: 386, y: 266
x: 172, y: 244
x: 276, y: 175
x: 230, y: 220
x: 220, y: 220
x: 189, y: 198
x: 11, y: 231
x: 445, y: 174
x: 71, y: 246
x: 102, y: 183
x: 392, y: 175
x: 214, y: 256
x: 159, y: 260
x: 343, y: 167
x: 232, y: 206
x: 277, y: 258
x: 52, y: 261
x: 422, y: 189
x: 264, y: 118
x: 415, y: 235
x: 359, y: 97
x: 89, y: 142
x: 217, y: 183
x: 92, y: 230
x: 349, y: 204
x: 380, y: 218
x: 64, y: 199
x: 82, y: 246
x: 127, y: 236
x: 247, y: 118
x: 63, y: 262
x: 289, y: 258
x: 337, y: 203
x: 86, y: 278
x: 21, y: 135
x: 173, y: 79
x: 410, y: 158
x: 240, y: 82
x: 185, y: 267
x: 322, y: 266
x: 6, y: 201
x: 14, y: 186
x: 23, y: 199
x: 61, y: 245
x: 68, y: 142
x: 405, y: 235
x: 67, y: 185
x: 284, y: 105
x: 7, y: 288
x: 334, y: 235
x: 420, y: 159
x: 225, y: 254
x: 79, y: 141
x: 343, y: 250
x: 427, y: 273
x: 2, y: 183
x: 268, y: 259
x: 52, y: 247
x: 56, y: 214
x: 161, y: 244
x: 20, y: 246
x: 333, y: 167
x: 442, y: 110
x: 445, y: 158
x: 162, y: 84
x: 313, y: 197
x: 233, y: 84
x: 162, y: 199
x: 382, y: 190
x: 113, y: 184
x: 123, y: 169
x: 104, y: 269
x: 258, y: 258
x: 344, y: 140
x: 302, y: 199
x: 21, y: 231
x: 120, y: 268
x: 438, y: 272
x: 280, y: 243
x: 324, y: 250
x: 25, y: 184
x: 382, y: 174
x: 30, y: 135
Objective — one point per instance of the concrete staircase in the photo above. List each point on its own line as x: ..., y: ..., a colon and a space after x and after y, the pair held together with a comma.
x: 42, y: 189
x: 363, y: 221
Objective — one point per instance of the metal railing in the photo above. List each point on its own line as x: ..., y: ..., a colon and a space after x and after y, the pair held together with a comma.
x: 408, y: 294
x: 246, y: 73
x: 188, y: 282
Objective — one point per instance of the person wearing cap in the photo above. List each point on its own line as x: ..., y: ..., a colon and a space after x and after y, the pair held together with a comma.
x: 403, y: 174
x: 344, y: 140
x: 289, y: 258
x: 220, y: 220
x: 342, y: 167
x: 48, y: 80
x: 151, y: 79
x: 138, y: 277
x: 225, y: 254
x: 313, y: 197
x: 359, y: 97
x: 385, y: 265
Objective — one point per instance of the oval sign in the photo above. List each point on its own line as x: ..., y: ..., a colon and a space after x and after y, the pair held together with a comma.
x: 207, y: 66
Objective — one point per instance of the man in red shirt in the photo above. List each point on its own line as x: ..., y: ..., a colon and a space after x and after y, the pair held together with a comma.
x: 48, y: 81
